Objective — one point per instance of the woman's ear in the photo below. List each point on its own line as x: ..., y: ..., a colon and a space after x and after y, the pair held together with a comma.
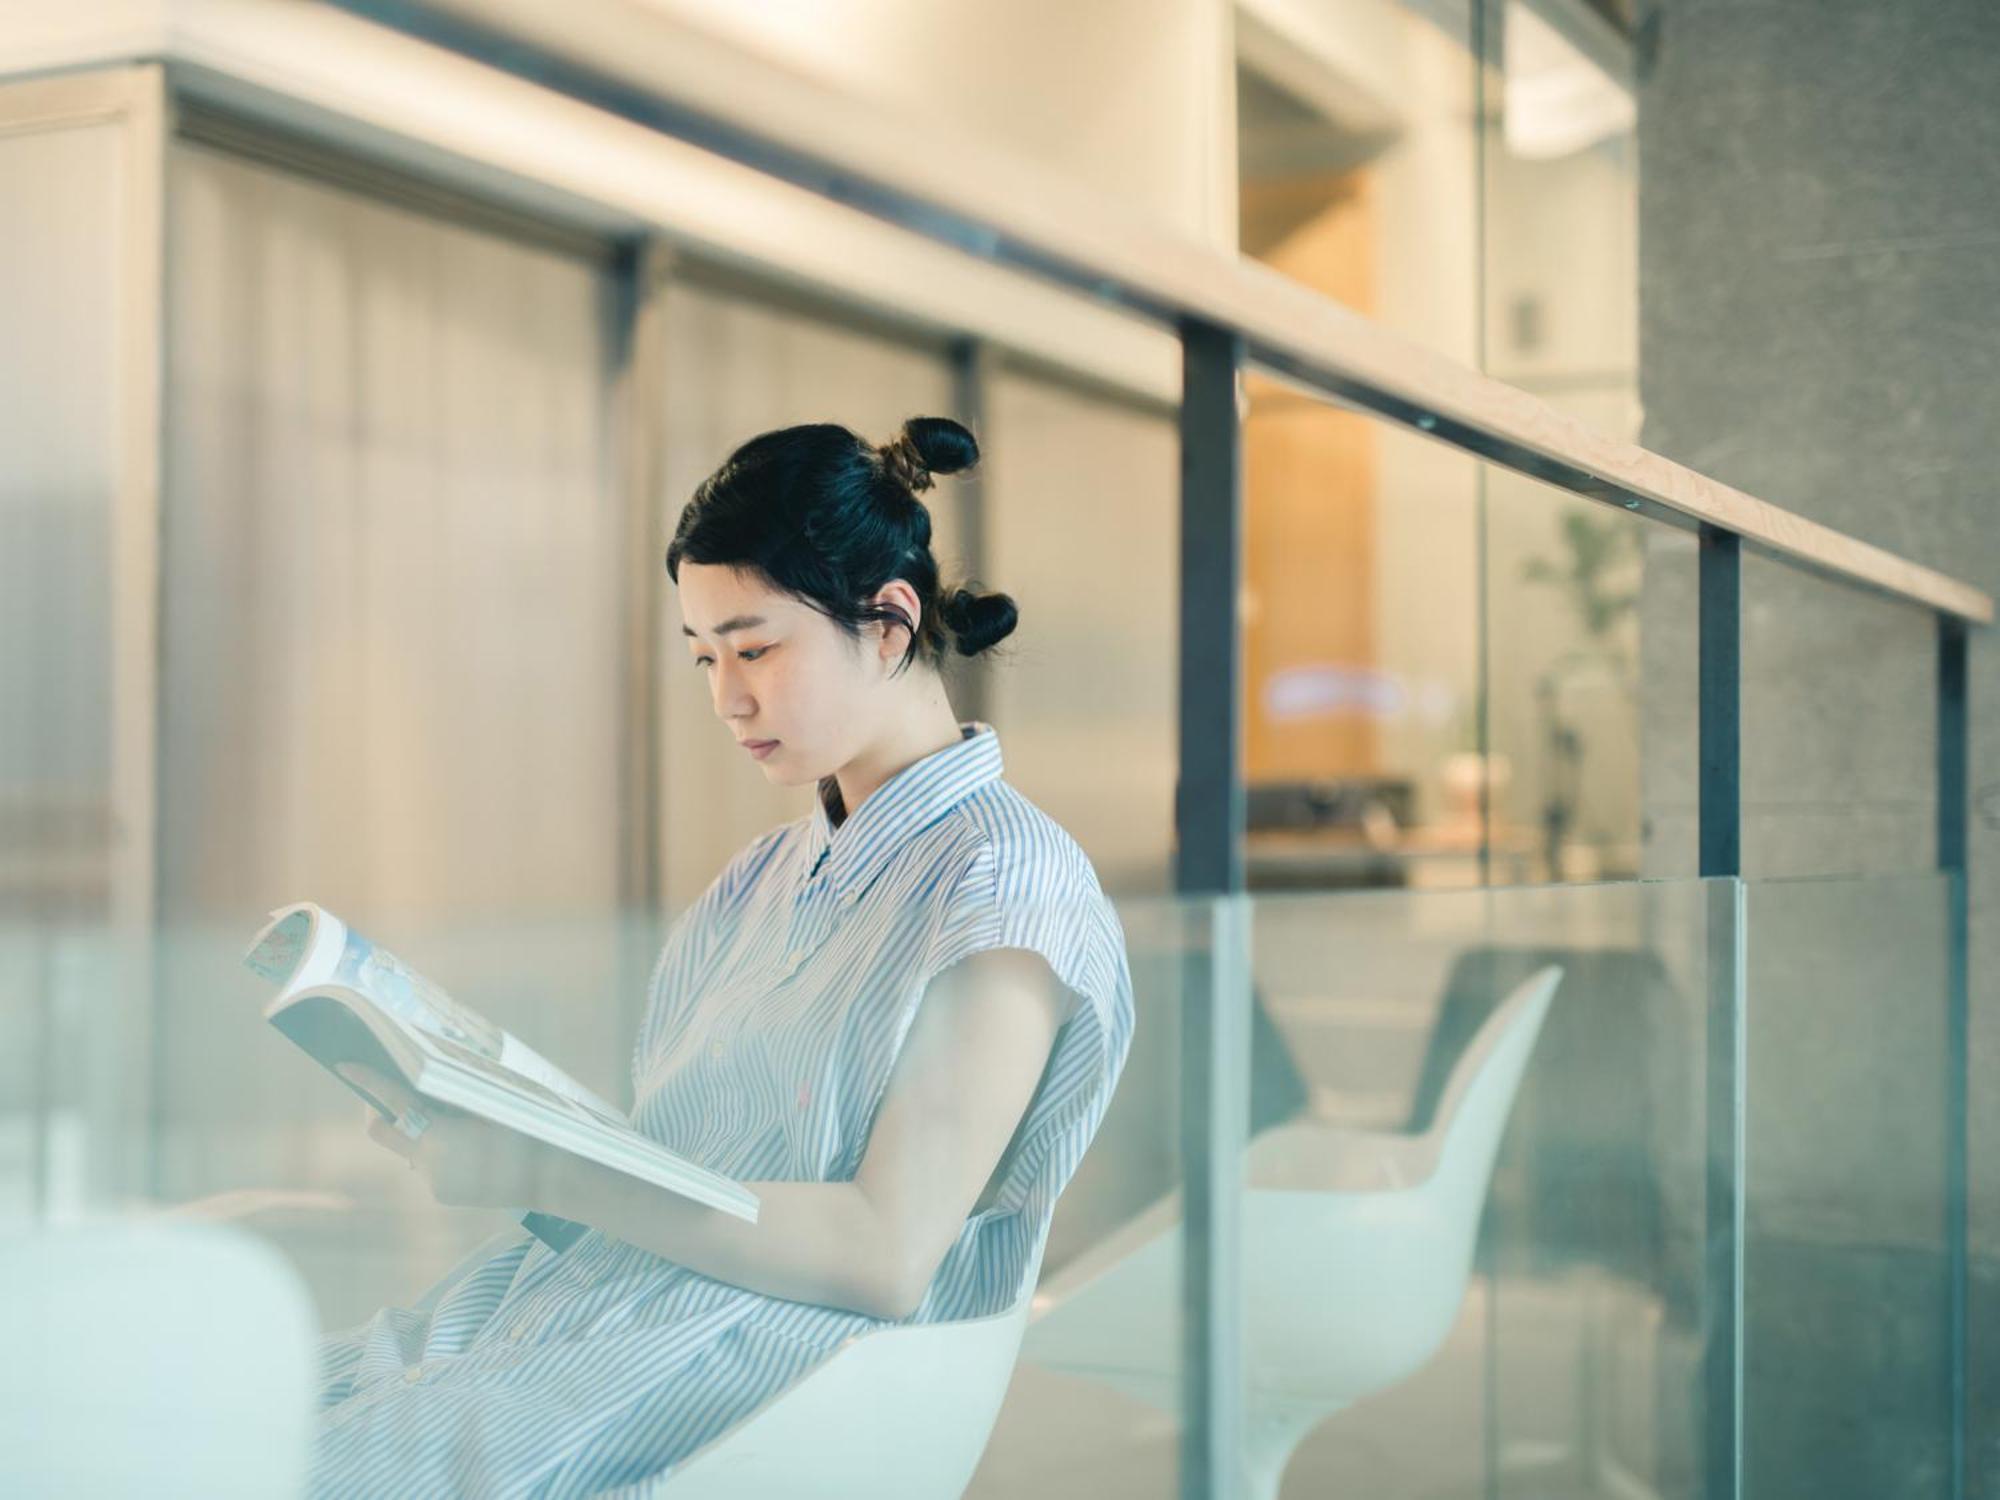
x: 897, y: 594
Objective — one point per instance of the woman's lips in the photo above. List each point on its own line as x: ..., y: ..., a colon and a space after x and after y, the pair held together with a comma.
x: 760, y: 748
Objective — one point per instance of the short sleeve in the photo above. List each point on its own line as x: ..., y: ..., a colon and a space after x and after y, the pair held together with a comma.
x: 1045, y: 897
x: 692, y: 942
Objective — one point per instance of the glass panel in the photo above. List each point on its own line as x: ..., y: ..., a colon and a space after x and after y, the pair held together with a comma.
x: 1846, y: 1283
x: 1361, y: 650
x: 1094, y: 1406
x: 63, y: 1102
x: 1368, y: 673
x: 1565, y: 578
x: 392, y: 675
x: 1357, y: 159
x: 1491, y: 214
x: 1559, y: 166
x: 1557, y: 1348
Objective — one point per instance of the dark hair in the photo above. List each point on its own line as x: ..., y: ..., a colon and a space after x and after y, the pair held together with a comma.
x: 829, y: 518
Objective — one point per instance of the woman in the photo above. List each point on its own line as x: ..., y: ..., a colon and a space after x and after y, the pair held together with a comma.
x: 899, y: 1019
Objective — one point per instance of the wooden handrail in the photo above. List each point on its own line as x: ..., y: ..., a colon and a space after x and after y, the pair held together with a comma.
x: 657, y: 69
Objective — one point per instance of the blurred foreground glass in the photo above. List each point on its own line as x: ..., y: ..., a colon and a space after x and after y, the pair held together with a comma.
x: 75, y: 847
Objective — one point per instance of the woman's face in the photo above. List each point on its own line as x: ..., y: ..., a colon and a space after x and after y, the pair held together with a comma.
x: 778, y: 670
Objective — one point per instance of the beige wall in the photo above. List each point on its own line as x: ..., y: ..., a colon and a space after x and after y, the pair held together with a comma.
x: 1136, y: 97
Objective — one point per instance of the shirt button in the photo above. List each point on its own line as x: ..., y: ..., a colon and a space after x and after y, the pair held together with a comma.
x: 715, y: 1049
x: 413, y: 1374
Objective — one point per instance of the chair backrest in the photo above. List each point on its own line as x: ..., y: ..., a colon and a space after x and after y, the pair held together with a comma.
x: 153, y: 1358
x: 1352, y: 1290
x: 1472, y: 1111
x: 901, y: 1412
x: 1611, y: 1133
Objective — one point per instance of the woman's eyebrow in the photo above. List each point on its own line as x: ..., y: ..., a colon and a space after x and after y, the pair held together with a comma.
x: 736, y: 622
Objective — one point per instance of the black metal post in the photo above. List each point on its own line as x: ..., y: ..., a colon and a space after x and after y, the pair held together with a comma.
x: 1721, y: 855
x: 1208, y: 819
x: 1953, y: 730
x: 971, y: 375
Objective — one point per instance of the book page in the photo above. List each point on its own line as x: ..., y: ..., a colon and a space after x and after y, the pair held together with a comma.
x: 526, y: 1061
x: 403, y: 993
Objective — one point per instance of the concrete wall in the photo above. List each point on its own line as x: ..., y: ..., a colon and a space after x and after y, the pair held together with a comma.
x: 1820, y: 325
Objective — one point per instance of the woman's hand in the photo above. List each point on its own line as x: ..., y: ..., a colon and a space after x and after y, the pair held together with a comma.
x: 468, y: 1162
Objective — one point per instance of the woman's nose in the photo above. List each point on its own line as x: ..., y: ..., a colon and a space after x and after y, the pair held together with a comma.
x: 730, y: 697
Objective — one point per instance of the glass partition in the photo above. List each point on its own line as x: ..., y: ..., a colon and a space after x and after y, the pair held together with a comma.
x: 1446, y: 665
x: 1457, y: 1280
x: 1094, y: 1404
x: 1472, y: 1237
x: 1358, y: 158
x: 1846, y: 1376
x: 1475, y: 1208
x: 1530, y: 1321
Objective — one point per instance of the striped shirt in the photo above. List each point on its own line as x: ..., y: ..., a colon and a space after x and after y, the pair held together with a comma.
x: 775, y: 1013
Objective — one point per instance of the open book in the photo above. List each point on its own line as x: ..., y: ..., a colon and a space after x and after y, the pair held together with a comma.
x: 344, y: 1000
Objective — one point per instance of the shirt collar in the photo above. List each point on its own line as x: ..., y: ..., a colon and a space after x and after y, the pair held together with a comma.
x: 909, y: 801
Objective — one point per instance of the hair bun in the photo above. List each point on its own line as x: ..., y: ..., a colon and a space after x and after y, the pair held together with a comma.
x: 978, y: 620
x: 927, y: 446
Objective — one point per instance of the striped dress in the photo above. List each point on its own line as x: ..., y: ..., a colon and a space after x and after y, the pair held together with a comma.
x: 775, y: 1012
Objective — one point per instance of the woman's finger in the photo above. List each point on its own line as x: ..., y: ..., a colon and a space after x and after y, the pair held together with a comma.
x: 383, y: 1132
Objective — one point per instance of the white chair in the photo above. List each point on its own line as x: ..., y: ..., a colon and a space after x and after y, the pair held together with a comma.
x: 1357, y: 1247
x: 152, y: 1358
x: 901, y: 1412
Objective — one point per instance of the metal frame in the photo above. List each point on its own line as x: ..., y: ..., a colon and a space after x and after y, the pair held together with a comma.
x: 1953, y: 753
x: 972, y: 364
x: 1720, y: 682
x: 1209, y: 804
x: 643, y: 271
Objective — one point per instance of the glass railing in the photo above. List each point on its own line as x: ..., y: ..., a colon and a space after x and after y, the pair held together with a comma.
x: 1478, y: 1228
x: 1847, y: 1315
x: 1475, y: 1251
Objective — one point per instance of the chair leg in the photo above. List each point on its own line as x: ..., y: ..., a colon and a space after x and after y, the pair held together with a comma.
x: 1271, y: 1434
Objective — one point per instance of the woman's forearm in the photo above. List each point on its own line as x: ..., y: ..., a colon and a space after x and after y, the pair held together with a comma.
x: 817, y: 1242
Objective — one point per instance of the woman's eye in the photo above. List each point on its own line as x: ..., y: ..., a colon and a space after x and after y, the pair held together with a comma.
x: 752, y: 655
